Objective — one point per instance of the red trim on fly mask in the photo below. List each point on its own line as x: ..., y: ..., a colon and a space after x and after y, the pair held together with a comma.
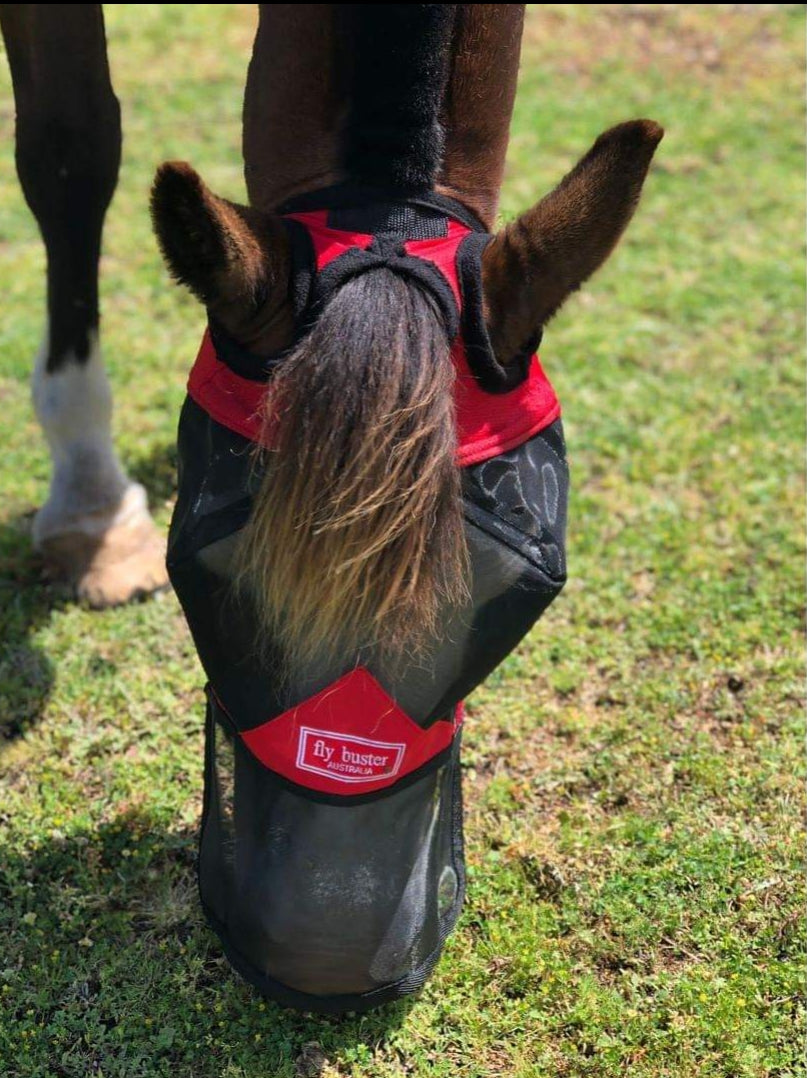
x: 487, y: 423
x: 351, y: 738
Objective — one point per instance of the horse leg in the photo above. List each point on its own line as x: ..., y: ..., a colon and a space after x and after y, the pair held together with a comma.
x: 94, y: 529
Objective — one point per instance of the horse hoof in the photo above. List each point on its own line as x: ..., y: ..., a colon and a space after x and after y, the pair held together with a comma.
x: 109, y: 558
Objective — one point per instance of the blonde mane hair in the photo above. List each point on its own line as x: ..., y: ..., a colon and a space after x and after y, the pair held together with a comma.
x: 356, y: 537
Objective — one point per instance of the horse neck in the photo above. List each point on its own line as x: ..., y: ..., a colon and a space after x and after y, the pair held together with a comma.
x: 298, y: 107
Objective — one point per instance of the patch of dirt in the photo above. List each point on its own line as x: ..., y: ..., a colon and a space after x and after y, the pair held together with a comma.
x: 311, y: 1062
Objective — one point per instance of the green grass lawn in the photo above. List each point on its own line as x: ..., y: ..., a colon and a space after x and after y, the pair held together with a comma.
x: 632, y: 773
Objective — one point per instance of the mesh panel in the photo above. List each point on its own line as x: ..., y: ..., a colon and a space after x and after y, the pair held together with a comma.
x: 392, y: 218
x: 340, y: 903
x: 329, y: 900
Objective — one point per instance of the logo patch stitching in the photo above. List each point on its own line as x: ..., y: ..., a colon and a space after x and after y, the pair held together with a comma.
x: 346, y: 758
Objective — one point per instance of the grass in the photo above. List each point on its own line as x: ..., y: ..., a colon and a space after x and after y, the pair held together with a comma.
x: 632, y: 772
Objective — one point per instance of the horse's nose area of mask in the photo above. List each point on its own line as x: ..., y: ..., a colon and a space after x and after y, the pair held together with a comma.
x: 340, y: 901
x: 332, y: 902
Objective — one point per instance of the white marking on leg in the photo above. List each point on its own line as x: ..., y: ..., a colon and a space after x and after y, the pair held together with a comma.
x: 89, y: 490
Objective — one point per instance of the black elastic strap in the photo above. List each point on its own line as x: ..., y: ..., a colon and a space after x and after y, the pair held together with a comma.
x: 358, y: 196
x: 388, y: 253
x: 391, y: 219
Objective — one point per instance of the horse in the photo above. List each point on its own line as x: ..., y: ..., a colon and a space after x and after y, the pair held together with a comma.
x: 371, y: 505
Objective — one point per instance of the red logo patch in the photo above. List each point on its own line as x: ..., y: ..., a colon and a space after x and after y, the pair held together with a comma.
x: 347, y: 758
x: 322, y: 743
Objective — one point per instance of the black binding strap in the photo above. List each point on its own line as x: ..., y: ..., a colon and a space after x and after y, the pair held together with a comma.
x: 303, y: 271
x: 491, y: 375
x: 239, y: 359
x: 257, y: 368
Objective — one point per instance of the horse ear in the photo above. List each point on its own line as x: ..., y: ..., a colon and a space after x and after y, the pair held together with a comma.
x: 532, y: 265
x: 234, y: 259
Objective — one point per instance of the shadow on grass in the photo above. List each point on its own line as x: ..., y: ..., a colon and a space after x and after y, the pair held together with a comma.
x: 27, y: 601
x: 111, y: 968
x: 28, y: 598
x: 157, y: 471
